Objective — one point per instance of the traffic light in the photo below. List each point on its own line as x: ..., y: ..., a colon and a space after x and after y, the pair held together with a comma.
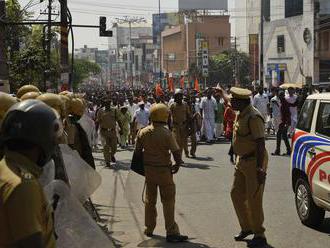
x: 103, y: 27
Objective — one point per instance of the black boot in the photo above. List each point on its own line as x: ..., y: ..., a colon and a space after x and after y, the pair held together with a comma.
x: 176, y: 238
x: 242, y: 235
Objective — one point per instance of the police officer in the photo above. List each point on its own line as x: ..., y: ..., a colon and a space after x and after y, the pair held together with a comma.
x: 29, y: 134
x: 6, y: 101
x: 194, y: 125
x: 80, y: 140
x: 107, y: 118
x: 250, y: 169
x: 180, y: 114
x: 30, y: 95
x: 156, y: 142
x: 26, y: 89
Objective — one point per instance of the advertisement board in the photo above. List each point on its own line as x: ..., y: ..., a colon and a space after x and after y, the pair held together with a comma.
x: 203, y: 5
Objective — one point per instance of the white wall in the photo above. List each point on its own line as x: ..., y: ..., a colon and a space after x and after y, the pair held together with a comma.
x: 298, y: 55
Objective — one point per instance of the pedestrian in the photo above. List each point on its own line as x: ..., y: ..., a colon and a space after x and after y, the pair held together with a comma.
x: 292, y: 98
x: 208, y: 108
x: 132, y: 107
x: 250, y: 169
x: 229, y: 119
x: 125, y: 120
x: 219, y: 117
x: 195, y: 125
x: 180, y: 117
x: 261, y: 101
x: 141, y: 116
x: 285, y: 121
x: 156, y: 142
x: 29, y: 133
x: 275, y: 106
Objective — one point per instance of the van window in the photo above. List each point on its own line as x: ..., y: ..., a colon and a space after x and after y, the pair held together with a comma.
x: 306, y: 116
x: 323, y: 119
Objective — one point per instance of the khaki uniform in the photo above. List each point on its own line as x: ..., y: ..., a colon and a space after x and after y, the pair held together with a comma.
x: 157, y: 141
x: 181, y: 116
x: 246, y: 193
x: 107, y: 121
x: 24, y: 210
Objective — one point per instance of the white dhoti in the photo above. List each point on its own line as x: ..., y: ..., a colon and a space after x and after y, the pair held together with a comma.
x: 208, y: 128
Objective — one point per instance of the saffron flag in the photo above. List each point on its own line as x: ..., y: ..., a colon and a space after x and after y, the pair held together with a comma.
x: 159, y: 90
x: 196, y: 85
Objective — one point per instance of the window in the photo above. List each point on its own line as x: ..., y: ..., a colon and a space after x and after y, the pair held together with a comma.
x: 221, y: 41
x: 136, y: 62
x: 267, y: 10
x: 294, y: 8
x: 280, y: 44
x: 324, y: 39
x: 306, y: 116
x: 323, y: 120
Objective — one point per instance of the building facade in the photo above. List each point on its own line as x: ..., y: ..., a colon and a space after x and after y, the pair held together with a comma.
x: 87, y: 53
x: 288, y: 42
x: 180, y: 44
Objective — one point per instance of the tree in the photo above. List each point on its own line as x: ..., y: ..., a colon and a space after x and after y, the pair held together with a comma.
x: 222, y: 68
x: 82, y: 69
x: 28, y: 65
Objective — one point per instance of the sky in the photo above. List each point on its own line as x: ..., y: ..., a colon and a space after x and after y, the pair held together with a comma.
x: 88, y: 11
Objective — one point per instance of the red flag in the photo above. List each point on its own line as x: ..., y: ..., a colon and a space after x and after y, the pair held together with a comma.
x: 159, y: 90
x: 182, y: 82
x: 196, y: 85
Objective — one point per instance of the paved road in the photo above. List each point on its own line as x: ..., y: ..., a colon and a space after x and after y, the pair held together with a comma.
x: 203, y: 210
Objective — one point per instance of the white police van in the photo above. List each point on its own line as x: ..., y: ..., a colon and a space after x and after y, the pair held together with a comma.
x: 310, y: 160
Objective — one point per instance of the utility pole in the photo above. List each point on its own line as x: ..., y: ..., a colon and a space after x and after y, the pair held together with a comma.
x: 64, y: 55
x: 3, y: 58
x: 130, y: 21
x: 49, y: 43
x: 261, y: 54
x: 160, y: 42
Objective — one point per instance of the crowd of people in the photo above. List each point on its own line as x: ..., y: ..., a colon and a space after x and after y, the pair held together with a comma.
x: 34, y: 125
x: 208, y: 117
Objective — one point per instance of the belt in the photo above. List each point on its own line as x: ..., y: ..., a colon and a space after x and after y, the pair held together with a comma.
x: 247, y: 156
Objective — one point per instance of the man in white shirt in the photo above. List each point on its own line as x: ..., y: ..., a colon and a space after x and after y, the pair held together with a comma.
x: 141, y: 116
x: 275, y: 104
x: 208, y: 107
x: 261, y: 101
x: 132, y: 107
x: 292, y: 99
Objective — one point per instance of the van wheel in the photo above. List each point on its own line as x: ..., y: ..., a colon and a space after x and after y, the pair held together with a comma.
x: 309, y: 214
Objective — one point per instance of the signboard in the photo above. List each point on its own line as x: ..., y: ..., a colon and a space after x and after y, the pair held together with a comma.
x: 277, y: 67
x: 203, y: 5
x: 205, y: 59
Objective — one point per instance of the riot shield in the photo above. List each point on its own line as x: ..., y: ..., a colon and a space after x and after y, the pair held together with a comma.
x: 48, y: 173
x: 89, y: 127
x: 82, y: 178
x: 73, y: 225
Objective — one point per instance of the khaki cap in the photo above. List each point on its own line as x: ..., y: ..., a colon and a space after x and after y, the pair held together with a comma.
x: 240, y: 93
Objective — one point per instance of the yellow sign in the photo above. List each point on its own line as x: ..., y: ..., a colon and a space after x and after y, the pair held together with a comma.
x: 205, y: 45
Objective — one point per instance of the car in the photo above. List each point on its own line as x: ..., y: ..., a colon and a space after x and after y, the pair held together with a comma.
x: 310, y: 160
